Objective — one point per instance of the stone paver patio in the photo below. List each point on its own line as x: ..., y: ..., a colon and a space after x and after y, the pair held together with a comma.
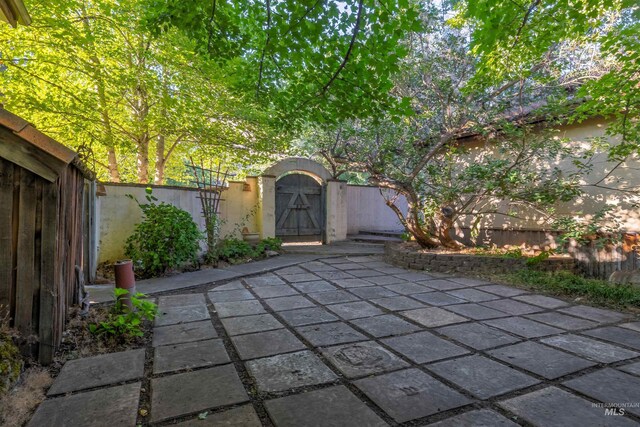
x: 352, y: 341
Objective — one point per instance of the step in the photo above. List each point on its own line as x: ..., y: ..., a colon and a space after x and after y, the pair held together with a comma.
x: 385, y: 233
x: 372, y: 238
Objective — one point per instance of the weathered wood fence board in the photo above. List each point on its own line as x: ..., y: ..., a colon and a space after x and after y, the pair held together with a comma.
x: 41, y: 241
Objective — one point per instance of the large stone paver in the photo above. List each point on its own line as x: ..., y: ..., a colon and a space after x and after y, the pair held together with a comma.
x: 182, y: 314
x: 288, y: 371
x: 112, y: 406
x: 250, y: 324
x: 438, y: 298
x: 424, y: 347
x: 243, y: 416
x: 523, y: 327
x: 385, y: 325
x: 481, y: 376
x: 307, y: 316
x: 589, y: 348
x: 261, y: 344
x: 563, y: 321
x: 473, y: 295
x: 229, y: 296
x: 275, y: 291
x: 183, y: 332
x: 552, y: 407
x: 595, y: 314
x: 97, y: 371
x: 478, y: 418
x: 609, y: 386
x: 333, y: 406
x: 191, y: 355
x: 370, y: 292
x: 432, y: 317
x: 190, y: 392
x: 333, y: 297
x: 410, y: 394
x: 330, y: 334
x: 355, y: 310
x: 540, y: 359
x: 362, y: 358
x: 617, y: 335
x: 542, y: 301
x: 288, y: 303
x: 399, y: 303
x: 238, y: 308
x: 476, y: 311
x: 478, y: 336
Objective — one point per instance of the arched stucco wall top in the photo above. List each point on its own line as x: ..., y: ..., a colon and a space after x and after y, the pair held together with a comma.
x: 300, y: 164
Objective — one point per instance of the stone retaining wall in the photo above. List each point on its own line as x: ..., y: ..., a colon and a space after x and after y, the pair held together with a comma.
x: 407, y: 256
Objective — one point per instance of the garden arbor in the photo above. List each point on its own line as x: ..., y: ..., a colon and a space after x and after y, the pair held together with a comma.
x: 300, y: 200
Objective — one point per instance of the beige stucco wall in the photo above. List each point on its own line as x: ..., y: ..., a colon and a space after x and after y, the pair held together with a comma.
x: 595, y: 198
x: 117, y: 214
x: 367, y: 210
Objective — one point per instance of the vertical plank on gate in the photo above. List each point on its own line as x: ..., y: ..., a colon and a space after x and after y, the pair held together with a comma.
x: 48, y: 276
x: 6, y: 233
x: 25, y: 267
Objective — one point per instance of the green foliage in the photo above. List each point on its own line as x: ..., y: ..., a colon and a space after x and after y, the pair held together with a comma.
x: 269, y: 244
x: 134, y: 101
x: 591, y: 45
x: 512, y: 253
x: 603, y: 228
x: 122, y: 323
x: 314, y: 61
x: 234, y: 250
x: 165, y: 239
x: 572, y: 285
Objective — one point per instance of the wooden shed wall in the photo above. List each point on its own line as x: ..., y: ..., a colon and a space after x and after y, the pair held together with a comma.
x: 41, y: 242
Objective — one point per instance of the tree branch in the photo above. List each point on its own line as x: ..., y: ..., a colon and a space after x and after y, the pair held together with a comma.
x: 356, y: 30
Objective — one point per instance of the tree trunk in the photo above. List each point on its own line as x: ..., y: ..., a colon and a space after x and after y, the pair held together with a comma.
x: 143, y: 160
x: 443, y: 227
x: 114, y: 174
x: 160, y: 161
x: 411, y: 221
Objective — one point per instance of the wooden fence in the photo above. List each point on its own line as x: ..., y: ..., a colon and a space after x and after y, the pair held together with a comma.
x: 600, y: 261
x: 41, y: 239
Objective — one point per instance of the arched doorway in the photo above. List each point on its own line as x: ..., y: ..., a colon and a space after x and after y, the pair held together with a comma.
x: 300, y: 212
x: 329, y: 208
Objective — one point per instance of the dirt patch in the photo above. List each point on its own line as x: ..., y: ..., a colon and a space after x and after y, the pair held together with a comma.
x: 78, y: 342
x: 17, y: 406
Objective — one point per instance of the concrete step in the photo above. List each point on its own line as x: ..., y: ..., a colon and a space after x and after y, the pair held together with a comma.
x: 383, y: 233
x: 372, y: 238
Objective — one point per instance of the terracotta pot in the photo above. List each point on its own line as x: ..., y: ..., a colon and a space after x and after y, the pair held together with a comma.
x: 125, y: 279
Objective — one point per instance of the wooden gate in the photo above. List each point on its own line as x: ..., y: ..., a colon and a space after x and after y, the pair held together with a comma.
x: 299, y: 208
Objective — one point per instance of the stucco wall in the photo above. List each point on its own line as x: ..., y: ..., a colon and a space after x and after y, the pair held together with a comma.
x: 367, y: 210
x: 596, y: 196
x: 117, y: 214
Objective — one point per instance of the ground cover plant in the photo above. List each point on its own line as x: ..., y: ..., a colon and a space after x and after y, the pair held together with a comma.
x: 124, y: 323
x: 565, y: 283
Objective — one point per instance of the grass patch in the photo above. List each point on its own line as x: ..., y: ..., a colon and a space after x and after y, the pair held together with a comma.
x: 569, y: 284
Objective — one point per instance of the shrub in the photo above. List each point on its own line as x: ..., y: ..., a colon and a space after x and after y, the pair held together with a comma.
x: 165, y: 239
x: 268, y: 244
x: 123, y: 323
x: 232, y: 249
